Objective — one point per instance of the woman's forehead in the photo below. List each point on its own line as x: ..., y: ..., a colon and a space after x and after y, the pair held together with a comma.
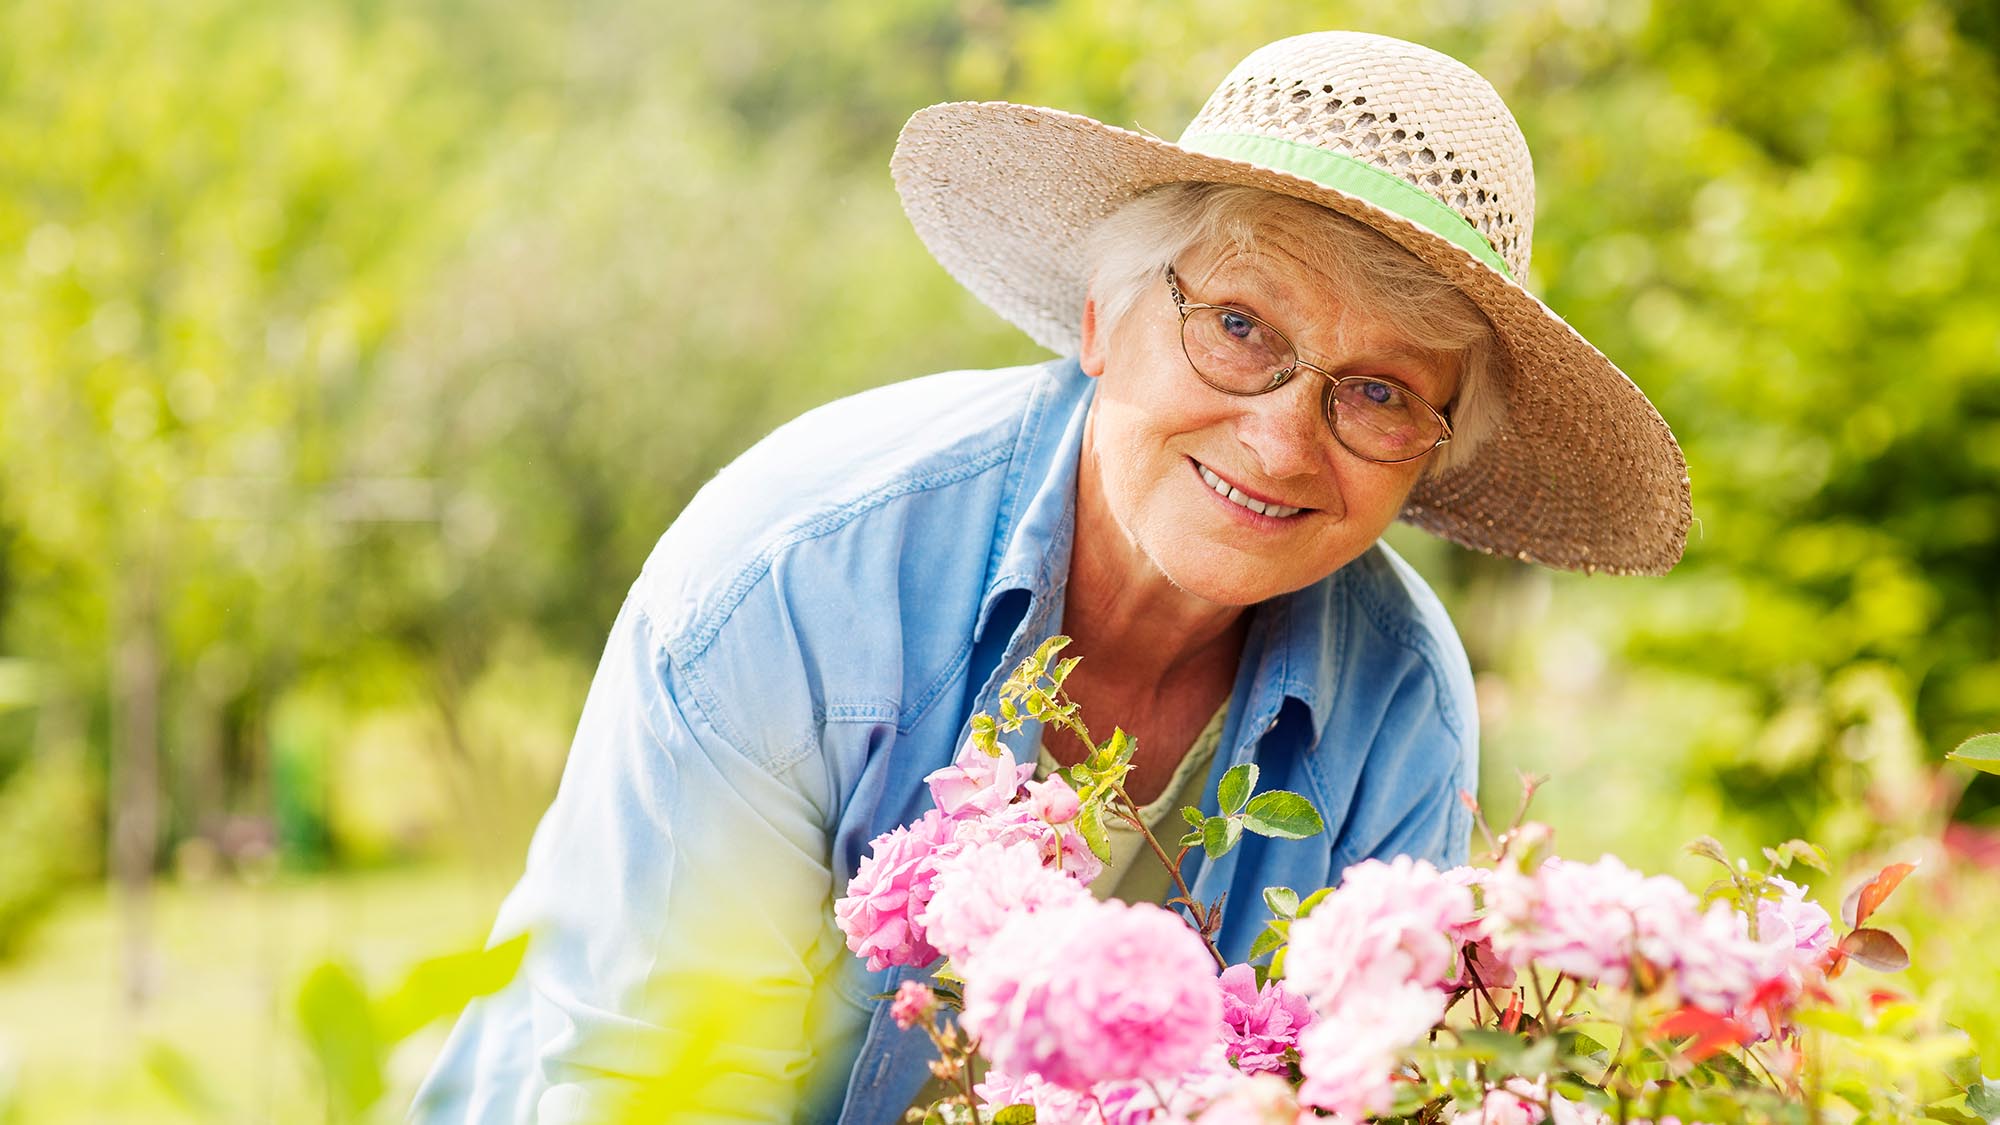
x: 1276, y: 283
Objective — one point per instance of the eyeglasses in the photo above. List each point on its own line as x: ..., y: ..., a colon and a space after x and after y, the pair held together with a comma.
x: 1375, y: 418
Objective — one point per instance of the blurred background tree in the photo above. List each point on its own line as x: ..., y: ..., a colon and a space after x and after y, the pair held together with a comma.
x: 352, y: 355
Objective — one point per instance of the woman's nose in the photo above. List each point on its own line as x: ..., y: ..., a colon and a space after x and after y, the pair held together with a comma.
x: 1285, y: 430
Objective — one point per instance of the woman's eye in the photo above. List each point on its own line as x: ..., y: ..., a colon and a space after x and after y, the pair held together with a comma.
x: 1238, y: 325
x: 1380, y: 393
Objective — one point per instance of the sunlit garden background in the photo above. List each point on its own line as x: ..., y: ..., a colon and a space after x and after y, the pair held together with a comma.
x: 353, y: 354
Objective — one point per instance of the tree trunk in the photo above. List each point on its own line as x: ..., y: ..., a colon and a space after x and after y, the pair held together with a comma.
x: 135, y: 779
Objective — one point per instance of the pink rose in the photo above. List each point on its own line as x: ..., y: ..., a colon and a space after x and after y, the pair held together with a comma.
x: 1262, y: 1099
x: 977, y: 783
x: 1588, y: 920
x: 1094, y: 992
x: 1078, y: 861
x: 1260, y: 1025
x: 913, y: 1005
x: 1517, y: 1102
x: 889, y: 890
x: 983, y: 886
x: 1386, y: 924
x: 1018, y: 823
x: 1349, y: 1062
x: 1794, y: 922
x: 1053, y: 800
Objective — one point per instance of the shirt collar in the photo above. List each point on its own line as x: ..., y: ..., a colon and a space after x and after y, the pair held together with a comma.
x: 1298, y: 658
x: 1032, y: 537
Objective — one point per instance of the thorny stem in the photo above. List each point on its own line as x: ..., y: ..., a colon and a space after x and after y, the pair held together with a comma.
x: 1529, y: 783
x: 1479, y: 990
x: 1128, y: 811
x: 1575, y: 994
x: 961, y: 1067
x: 1479, y: 821
x: 1617, y: 1057
x: 1751, y: 1054
x: 1541, y: 997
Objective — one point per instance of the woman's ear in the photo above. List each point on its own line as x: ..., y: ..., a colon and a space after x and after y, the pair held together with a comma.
x: 1091, y: 357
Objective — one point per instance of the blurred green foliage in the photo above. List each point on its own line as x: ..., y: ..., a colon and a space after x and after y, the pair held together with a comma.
x: 352, y: 355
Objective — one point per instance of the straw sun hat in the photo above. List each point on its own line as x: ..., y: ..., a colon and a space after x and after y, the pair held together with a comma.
x: 1581, y: 473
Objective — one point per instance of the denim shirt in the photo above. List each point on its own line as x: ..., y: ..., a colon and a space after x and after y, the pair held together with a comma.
x: 811, y: 638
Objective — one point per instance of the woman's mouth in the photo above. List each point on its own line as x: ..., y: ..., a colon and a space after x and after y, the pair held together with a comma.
x: 1242, y: 499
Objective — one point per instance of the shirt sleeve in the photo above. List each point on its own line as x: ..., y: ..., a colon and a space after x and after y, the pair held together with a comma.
x: 677, y: 897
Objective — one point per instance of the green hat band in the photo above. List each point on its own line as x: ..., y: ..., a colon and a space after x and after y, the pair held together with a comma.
x: 1357, y: 178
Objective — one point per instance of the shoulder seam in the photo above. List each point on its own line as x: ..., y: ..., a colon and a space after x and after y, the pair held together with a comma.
x: 691, y: 643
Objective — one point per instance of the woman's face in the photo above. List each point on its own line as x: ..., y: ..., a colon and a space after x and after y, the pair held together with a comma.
x: 1159, y: 438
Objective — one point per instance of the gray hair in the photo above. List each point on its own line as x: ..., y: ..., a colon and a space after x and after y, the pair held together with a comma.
x: 1130, y: 248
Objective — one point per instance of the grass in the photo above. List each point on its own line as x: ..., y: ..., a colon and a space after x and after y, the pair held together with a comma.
x: 226, y: 958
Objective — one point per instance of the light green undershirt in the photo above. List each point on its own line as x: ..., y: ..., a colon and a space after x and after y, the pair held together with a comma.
x: 1134, y: 873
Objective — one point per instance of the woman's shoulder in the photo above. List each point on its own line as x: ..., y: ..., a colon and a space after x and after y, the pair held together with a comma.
x: 840, y: 494
x: 1401, y: 610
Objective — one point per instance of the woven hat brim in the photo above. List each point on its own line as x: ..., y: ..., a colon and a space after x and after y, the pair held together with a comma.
x: 1583, y: 474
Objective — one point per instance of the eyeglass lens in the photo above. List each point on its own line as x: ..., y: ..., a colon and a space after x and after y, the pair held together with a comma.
x: 1239, y: 354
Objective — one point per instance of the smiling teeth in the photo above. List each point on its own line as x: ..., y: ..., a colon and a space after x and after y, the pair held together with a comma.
x: 1235, y: 496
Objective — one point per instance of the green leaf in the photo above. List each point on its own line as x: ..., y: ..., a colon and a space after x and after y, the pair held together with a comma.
x: 1409, y: 1099
x: 441, y: 986
x: 1981, y: 752
x: 1192, y: 815
x: 1283, y: 901
x: 178, y: 1073
x: 1049, y: 649
x: 1830, y: 1019
x: 1090, y: 822
x: 1282, y: 814
x: 1731, y: 1071
x: 1488, y: 1046
x: 1234, y: 791
x: 983, y: 734
x: 340, y: 1028
x: 1220, y: 834
x: 1191, y: 840
x: 1267, y: 941
x: 1796, y: 851
x: 1061, y: 671
x: 1015, y: 1115
x: 1314, y: 899
x: 1708, y: 847
x: 1984, y: 1100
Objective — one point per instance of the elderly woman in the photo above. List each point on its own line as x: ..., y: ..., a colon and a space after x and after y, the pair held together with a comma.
x: 1294, y: 326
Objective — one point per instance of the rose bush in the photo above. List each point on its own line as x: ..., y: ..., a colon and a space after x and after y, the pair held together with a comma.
x: 1532, y: 989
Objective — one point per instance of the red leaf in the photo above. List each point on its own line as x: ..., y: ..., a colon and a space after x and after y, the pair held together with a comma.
x: 1876, y: 949
x: 1879, y: 998
x: 1711, y: 1032
x: 1864, y: 899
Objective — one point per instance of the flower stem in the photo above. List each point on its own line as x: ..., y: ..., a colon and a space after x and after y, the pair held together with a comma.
x: 1129, y: 812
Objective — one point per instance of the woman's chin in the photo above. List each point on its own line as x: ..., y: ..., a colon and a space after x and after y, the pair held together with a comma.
x: 1225, y: 577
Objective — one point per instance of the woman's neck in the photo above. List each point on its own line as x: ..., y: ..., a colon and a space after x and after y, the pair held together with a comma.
x: 1140, y: 633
